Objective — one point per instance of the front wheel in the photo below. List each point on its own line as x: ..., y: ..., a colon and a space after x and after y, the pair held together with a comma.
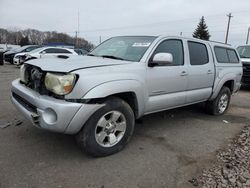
x: 108, y: 130
x: 220, y: 104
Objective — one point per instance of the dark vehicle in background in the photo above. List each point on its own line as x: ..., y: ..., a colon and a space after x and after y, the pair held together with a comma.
x: 8, y: 56
x: 81, y: 51
x: 5, y: 48
x: 1, y: 58
x: 244, y: 52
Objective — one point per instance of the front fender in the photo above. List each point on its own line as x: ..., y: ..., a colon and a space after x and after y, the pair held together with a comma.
x: 120, y: 86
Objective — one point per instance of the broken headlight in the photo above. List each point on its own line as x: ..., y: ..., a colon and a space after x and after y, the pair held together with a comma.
x: 60, y: 84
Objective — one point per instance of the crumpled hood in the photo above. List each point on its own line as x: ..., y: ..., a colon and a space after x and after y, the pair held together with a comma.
x: 74, y: 63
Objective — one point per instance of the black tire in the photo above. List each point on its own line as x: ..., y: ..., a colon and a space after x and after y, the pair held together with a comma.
x: 212, y: 107
x: 86, y: 137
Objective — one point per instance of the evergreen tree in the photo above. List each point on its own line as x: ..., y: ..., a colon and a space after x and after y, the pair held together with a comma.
x: 201, y: 31
x: 24, y: 41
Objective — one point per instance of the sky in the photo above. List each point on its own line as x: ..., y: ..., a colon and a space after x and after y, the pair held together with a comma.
x: 101, y: 19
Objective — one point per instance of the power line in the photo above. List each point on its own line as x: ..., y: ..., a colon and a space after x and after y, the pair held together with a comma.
x: 155, y: 23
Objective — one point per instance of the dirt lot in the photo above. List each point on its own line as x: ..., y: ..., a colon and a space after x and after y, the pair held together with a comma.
x: 167, y: 149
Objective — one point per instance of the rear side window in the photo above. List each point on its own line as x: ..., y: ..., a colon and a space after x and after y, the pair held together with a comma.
x: 62, y: 51
x: 50, y: 50
x: 57, y: 51
x: 198, y: 53
x: 233, y: 58
x: 225, y: 55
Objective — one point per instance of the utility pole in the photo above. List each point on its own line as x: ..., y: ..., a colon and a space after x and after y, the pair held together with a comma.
x: 76, y: 45
x: 248, y: 35
x: 100, y: 39
x: 78, y: 26
x: 180, y: 33
x: 228, y: 25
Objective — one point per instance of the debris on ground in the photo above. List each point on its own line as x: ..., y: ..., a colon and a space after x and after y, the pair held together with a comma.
x: 2, y: 126
x: 225, y: 121
x: 194, y: 182
x: 233, y: 165
x: 17, y: 122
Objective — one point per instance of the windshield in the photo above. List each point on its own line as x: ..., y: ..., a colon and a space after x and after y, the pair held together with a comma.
x: 26, y: 48
x: 38, y: 49
x: 130, y: 48
x: 244, y: 51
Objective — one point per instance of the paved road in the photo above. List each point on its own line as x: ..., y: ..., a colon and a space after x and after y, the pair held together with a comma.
x: 167, y: 149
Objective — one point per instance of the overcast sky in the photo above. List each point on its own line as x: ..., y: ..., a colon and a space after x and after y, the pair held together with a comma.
x: 108, y: 18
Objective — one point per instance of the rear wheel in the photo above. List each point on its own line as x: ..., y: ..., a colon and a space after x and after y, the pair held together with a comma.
x: 220, y: 104
x: 108, y: 130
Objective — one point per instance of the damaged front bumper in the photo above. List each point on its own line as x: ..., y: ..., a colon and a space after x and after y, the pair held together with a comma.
x: 49, y: 113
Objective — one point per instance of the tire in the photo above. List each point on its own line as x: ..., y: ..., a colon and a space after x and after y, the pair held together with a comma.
x: 101, y: 123
x: 216, y: 107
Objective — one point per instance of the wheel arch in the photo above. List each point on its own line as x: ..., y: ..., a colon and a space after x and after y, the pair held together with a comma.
x: 131, y: 91
x: 229, y: 82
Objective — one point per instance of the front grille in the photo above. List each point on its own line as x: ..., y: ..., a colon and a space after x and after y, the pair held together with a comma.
x: 246, y: 73
x: 30, y: 107
x: 35, y: 79
x: 8, y: 57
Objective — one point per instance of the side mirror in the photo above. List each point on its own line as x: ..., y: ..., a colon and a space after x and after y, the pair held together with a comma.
x: 161, y: 59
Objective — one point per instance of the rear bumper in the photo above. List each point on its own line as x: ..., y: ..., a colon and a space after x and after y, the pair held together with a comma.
x: 49, y: 113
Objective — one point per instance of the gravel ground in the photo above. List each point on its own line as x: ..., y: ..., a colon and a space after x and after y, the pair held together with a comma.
x: 166, y: 151
x: 233, y: 165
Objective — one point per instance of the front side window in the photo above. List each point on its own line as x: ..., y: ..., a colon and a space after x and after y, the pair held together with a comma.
x: 198, y: 53
x: 130, y: 48
x: 174, y: 47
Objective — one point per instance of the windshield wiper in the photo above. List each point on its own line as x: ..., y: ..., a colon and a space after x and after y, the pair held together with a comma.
x: 242, y: 56
x: 90, y: 55
x: 112, y: 57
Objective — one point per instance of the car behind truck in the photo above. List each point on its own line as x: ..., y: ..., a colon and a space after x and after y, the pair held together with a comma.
x: 98, y: 97
x: 244, y: 52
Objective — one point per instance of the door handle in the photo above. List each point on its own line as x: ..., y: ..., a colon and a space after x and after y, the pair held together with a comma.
x: 184, y: 73
x: 209, y: 72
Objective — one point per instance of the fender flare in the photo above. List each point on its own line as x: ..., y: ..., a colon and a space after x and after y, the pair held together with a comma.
x: 221, y: 82
x: 119, y: 86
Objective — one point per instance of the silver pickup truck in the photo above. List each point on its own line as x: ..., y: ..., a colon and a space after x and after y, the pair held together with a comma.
x: 98, y: 97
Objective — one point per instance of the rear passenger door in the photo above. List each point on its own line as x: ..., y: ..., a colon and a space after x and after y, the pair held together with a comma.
x: 201, y: 72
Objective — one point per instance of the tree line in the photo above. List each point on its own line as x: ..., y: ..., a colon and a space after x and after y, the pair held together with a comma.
x: 32, y: 36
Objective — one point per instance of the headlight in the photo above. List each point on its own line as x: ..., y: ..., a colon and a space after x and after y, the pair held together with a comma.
x: 27, y: 56
x: 23, y: 76
x: 60, y: 84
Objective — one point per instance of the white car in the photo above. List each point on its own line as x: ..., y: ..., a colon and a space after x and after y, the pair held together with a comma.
x: 50, y: 52
x: 19, y: 58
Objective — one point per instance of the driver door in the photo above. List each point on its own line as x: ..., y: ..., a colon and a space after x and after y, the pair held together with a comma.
x: 167, y: 84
